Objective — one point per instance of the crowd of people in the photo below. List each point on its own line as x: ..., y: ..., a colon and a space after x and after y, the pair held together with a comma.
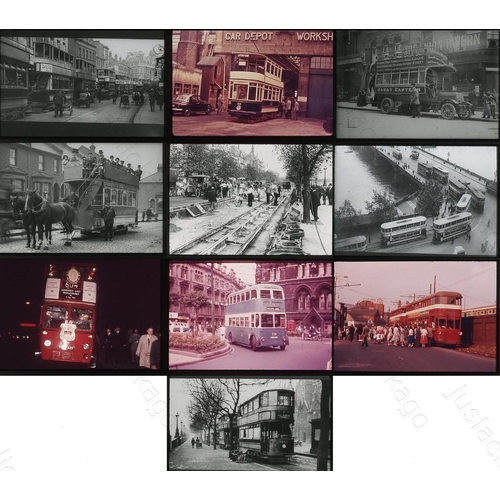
x: 413, y: 335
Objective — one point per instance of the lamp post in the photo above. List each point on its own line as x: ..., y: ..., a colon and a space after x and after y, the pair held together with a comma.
x: 181, y: 430
x: 176, y: 425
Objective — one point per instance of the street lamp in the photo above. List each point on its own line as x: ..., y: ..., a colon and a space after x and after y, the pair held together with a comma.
x: 177, y: 425
x: 181, y: 429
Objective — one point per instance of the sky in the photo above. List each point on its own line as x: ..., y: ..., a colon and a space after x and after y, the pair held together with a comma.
x: 120, y: 47
x: 244, y: 270
x: 391, y: 281
x: 147, y: 155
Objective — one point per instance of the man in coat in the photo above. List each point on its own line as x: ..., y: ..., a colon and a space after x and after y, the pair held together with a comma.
x: 315, y: 201
x: 58, y: 103
x: 144, y: 348
x: 414, y: 101
x: 108, y: 214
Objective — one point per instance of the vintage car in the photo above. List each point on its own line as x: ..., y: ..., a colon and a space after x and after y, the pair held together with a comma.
x: 190, y: 104
x: 84, y: 98
x: 397, y: 154
x: 414, y: 154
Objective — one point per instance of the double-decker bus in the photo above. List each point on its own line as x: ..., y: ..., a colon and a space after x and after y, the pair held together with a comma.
x: 109, y: 183
x: 478, y: 199
x: 256, y: 317
x: 107, y: 82
x: 463, y: 204
x: 255, y: 87
x: 401, y: 231
x: 456, y: 188
x: 425, y: 170
x: 68, y: 314
x: 389, y: 80
x: 440, y: 174
x: 265, y: 425
x: 451, y: 227
x: 440, y: 312
x: 353, y: 244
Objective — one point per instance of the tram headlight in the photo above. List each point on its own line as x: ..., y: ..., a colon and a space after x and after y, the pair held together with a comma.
x: 86, y: 347
x: 47, y: 343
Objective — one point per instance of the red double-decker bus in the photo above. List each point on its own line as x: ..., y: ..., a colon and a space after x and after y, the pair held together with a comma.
x: 68, y: 314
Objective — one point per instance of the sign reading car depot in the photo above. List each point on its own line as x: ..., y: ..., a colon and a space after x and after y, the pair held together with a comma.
x: 282, y: 42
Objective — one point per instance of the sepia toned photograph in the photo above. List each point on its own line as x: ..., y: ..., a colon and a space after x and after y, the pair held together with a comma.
x: 80, y: 314
x: 250, y: 424
x: 252, y: 82
x: 418, y: 317
x: 430, y: 200
x: 53, y: 85
x: 250, y: 199
x: 74, y: 198
x: 424, y: 84
x: 235, y: 315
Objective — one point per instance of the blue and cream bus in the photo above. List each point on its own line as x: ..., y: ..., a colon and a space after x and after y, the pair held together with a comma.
x: 256, y: 317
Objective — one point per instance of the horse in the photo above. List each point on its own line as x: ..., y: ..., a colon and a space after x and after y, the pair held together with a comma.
x: 18, y: 204
x: 47, y: 213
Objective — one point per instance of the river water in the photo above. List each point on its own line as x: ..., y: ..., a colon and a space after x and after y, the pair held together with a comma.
x: 356, y: 177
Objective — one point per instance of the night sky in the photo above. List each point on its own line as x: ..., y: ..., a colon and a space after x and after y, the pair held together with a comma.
x: 128, y: 292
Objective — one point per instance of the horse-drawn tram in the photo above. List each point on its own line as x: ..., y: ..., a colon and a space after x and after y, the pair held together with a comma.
x: 265, y: 425
x: 68, y: 314
x: 97, y: 185
x: 255, y: 88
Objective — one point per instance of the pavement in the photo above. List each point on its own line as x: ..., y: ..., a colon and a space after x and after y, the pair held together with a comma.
x: 146, y: 116
x: 318, y: 236
x: 477, y: 116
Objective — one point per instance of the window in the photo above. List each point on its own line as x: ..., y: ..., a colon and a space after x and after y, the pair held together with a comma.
x: 277, y: 294
x: 56, y: 166
x: 264, y: 397
x: 13, y: 157
x: 55, y: 316
x: 265, y: 294
x: 253, y: 294
x: 83, y: 318
x: 247, y: 295
x: 40, y: 162
x: 267, y: 321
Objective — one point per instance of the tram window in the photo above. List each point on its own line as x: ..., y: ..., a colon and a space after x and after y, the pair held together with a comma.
x: 107, y: 195
x: 267, y: 320
x: 395, y: 78
x: 457, y: 324
x: 277, y: 294
x: 113, y: 196
x: 120, y: 197
x: 284, y: 400
x: 242, y: 92
x: 442, y: 322
x: 421, y: 76
x: 265, y: 294
x: 247, y: 295
x: 378, y: 80
x: 449, y: 323
x: 404, y: 77
x: 414, y: 76
x: 252, y: 93
x: 386, y: 78
x: 273, y: 398
x: 134, y: 199
x: 253, y: 294
x: 264, y: 399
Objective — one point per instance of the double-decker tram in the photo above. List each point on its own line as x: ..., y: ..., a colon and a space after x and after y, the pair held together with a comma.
x: 265, y: 425
x: 439, y: 173
x: 255, y: 87
x: 463, y: 204
x: 401, y: 231
x: 440, y: 312
x: 478, y: 199
x: 425, y: 170
x: 68, y: 314
x: 451, y: 227
x: 256, y: 317
x: 456, y: 188
x: 353, y: 244
x: 96, y: 185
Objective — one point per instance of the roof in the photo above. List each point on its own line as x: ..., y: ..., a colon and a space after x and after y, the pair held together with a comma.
x: 209, y: 61
x: 153, y: 178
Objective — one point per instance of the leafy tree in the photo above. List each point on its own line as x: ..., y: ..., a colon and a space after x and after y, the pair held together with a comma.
x: 430, y: 199
x: 301, y: 162
x: 347, y: 210
x: 197, y: 300
x: 382, y: 203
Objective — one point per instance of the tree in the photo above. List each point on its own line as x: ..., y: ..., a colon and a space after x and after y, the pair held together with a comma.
x: 430, y: 199
x: 197, y: 300
x: 324, y: 429
x: 382, y: 204
x: 301, y: 162
x: 346, y: 210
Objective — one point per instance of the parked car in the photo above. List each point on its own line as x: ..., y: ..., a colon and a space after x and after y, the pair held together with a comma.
x: 84, y: 98
x: 189, y: 104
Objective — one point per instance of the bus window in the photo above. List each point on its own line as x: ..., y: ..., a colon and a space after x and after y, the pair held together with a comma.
x: 404, y: 77
x: 247, y: 321
x: 273, y: 398
x: 284, y: 400
x: 442, y: 322
x: 395, y: 78
x: 247, y: 296
x: 264, y: 399
x: 267, y: 320
x: 280, y: 320
x: 55, y: 316
x: 457, y: 324
x: 252, y: 321
x: 414, y: 76
x: 82, y: 318
x: 253, y: 294
x: 257, y: 322
x: 265, y: 294
x: 277, y: 294
x: 386, y: 78
x: 450, y: 323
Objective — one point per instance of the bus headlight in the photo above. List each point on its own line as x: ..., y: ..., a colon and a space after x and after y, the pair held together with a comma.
x: 47, y: 343
x: 86, y: 347
x: 44, y: 332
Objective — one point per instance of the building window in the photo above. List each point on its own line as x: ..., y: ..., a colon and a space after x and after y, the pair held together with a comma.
x: 40, y: 162
x: 56, y: 166
x: 321, y: 62
x: 13, y: 157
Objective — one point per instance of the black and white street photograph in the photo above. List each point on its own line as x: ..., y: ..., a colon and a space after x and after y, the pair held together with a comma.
x: 95, y: 86
x: 423, y: 84
x: 250, y: 199
x: 252, y: 82
x: 75, y: 198
x: 234, y: 315
x: 429, y: 200
x: 80, y: 314
x: 250, y: 424
x: 415, y: 317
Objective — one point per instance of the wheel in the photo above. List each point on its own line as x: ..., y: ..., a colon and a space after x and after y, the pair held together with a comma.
x: 387, y: 105
x: 208, y: 111
x: 187, y: 112
x: 465, y: 114
x: 252, y: 344
x: 448, y: 111
x: 282, y: 347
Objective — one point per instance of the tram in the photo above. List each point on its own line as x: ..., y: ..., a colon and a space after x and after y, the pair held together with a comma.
x: 425, y: 170
x: 256, y: 317
x: 265, y: 425
x: 478, y: 199
x: 440, y: 312
x: 440, y: 174
x: 255, y: 87
x: 353, y: 244
x: 108, y: 184
x: 456, y: 188
x: 401, y: 231
x: 107, y: 82
x: 68, y: 314
x: 451, y: 227
x: 463, y: 204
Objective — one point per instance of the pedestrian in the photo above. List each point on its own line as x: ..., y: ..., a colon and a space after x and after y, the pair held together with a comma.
x: 472, y: 100
x: 144, y: 348
x: 268, y: 194
x: 430, y: 336
x: 192, y: 442
x: 115, y: 96
x: 493, y: 105
x: 220, y: 104
x: 276, y: 196
x: 414, y: 101
x: 315, y: 202
x: 107, y: 344
x: 108, y: 214
x: 329, y: 193
x: 143, y: 214
x: 212, y: 197
x: 411, y: 338
x: 250, y: 196
x: 323, y: 193
x: 159, y: 99
x: 283, y: 108
x: 486, y: 105
x: 117, y: 345
x: 155, y: 354
x: 72, y: 199
x: 366, y: 333
x: 197, y: 443
x: 351, y: 332
x: 288, y: 108
x: 423, y: 337
x: 59, y: 100
x: 133, y: 340
x: 152, y: 99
